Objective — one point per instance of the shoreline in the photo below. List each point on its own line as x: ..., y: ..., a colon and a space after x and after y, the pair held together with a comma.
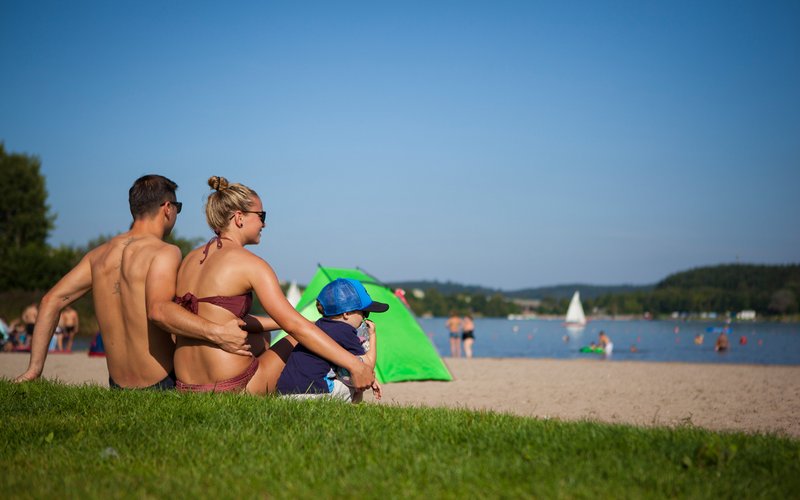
x: 720, y: 397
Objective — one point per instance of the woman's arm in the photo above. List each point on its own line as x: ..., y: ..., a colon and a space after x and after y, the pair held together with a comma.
x: 265, y: 283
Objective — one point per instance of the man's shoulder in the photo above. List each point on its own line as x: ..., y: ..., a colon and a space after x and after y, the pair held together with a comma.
x: 145, y: 243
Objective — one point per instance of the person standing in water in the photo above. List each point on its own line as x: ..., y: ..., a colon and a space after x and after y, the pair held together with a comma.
x: 468, y: 335
x: 605, y: 343
x: 454, y: 330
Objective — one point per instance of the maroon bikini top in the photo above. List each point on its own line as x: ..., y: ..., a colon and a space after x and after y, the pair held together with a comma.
x: 239, y: 305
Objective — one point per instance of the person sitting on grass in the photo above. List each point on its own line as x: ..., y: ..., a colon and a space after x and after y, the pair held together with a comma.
x: 132, y: 279
x: 217, y: 280
x: 345, y: 306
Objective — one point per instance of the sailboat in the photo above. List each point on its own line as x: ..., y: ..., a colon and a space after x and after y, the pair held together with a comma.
x: 293, y: 294
x: 575, y: 316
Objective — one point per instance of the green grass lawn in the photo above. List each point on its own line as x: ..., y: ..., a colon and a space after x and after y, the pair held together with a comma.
x: 59, y: 441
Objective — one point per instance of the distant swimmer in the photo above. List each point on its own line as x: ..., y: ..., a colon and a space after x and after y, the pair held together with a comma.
x: 722, y: 343
x: 698, y: 339
x: 605, y: 343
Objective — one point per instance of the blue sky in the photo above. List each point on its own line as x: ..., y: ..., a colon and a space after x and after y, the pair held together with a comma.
x: 506, y: 144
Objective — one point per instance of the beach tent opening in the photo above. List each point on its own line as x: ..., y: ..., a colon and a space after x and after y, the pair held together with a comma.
x: 404, y: 351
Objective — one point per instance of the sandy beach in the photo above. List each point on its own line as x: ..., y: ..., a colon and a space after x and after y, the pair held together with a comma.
x: 743, y: 398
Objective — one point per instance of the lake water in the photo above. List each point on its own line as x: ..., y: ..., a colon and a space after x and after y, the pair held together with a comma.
x: 767, y: 343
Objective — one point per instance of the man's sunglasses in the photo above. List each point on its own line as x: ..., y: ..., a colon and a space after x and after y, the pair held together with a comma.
x: 178, y: 205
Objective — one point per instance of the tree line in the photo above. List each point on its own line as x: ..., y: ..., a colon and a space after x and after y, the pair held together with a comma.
x: 769, y: 290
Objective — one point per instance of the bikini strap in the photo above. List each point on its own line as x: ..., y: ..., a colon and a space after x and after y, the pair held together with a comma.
x: 205, y: 250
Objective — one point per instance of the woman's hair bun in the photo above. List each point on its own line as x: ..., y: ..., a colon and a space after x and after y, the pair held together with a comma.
x: 218, y: 183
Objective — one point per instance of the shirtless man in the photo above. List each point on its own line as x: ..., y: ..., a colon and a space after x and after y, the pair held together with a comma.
x: 454, y: 329
x: 69, y: 325
x: 28, y: 317
x: 133, y: 281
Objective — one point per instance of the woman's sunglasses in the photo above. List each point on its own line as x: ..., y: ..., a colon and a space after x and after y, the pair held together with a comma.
x: 261, y: 215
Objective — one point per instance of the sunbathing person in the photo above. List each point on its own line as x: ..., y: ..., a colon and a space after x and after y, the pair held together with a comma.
x: 216, y: 281
x: 132, y: 279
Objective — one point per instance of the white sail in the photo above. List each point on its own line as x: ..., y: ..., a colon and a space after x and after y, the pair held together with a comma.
x: 575, y: 314
x: 293, y: 294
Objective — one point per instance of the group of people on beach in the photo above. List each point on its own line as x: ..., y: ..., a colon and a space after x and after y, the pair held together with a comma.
x: 185, y: 323
x: 16, y: 335
x: 461, y: 330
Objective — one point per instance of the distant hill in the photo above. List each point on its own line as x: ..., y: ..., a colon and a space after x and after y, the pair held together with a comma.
x: 446, y: 288
x: 735, y: 277
x: 557, y: 292
x: 770, y: 290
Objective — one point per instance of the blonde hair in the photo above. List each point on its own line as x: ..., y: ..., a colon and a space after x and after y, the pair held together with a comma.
x: 225, y: 201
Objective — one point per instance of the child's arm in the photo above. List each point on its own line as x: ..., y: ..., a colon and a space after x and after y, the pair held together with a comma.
x: 371, y: 357
x: 376, y: 390
x: 258, y: 324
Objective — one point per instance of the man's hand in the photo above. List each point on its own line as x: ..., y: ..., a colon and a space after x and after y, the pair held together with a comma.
x: 231, y: 338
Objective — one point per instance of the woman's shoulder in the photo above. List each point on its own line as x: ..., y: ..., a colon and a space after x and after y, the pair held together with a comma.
x: 245, y: 255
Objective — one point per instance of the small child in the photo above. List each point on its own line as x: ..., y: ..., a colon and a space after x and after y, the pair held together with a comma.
x: 345, y: 306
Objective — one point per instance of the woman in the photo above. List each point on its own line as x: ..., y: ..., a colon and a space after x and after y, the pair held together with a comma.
x: 468, y: 335
x: 216, y: 281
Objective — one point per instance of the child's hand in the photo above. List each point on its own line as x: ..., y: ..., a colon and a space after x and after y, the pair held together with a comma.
x: 370, y: 326
x: 376, y: 390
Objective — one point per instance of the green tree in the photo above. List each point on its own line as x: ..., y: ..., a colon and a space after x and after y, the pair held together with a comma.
x: 25, y: 219
x: 185, y: 244
x: 26, y: 262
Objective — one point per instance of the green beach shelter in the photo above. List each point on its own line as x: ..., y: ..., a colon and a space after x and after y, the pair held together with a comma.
x: 404, y: 351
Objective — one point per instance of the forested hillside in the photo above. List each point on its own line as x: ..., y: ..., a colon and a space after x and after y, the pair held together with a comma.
x: 770, y: 290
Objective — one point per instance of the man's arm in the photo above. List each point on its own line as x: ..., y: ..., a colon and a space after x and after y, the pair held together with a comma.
x: 161, y: 310
x: 69, y: 288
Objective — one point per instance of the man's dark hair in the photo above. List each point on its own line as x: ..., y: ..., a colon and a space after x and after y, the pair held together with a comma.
x: 148, y: 193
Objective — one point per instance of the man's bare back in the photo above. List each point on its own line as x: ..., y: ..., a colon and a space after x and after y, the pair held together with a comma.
x: 29, y: 314
x: 139, y: 353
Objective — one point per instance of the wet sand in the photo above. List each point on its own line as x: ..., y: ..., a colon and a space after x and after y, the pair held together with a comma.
x: 745, y: 398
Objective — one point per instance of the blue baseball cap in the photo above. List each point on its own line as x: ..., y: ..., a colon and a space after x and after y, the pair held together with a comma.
x: 346, y: 295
